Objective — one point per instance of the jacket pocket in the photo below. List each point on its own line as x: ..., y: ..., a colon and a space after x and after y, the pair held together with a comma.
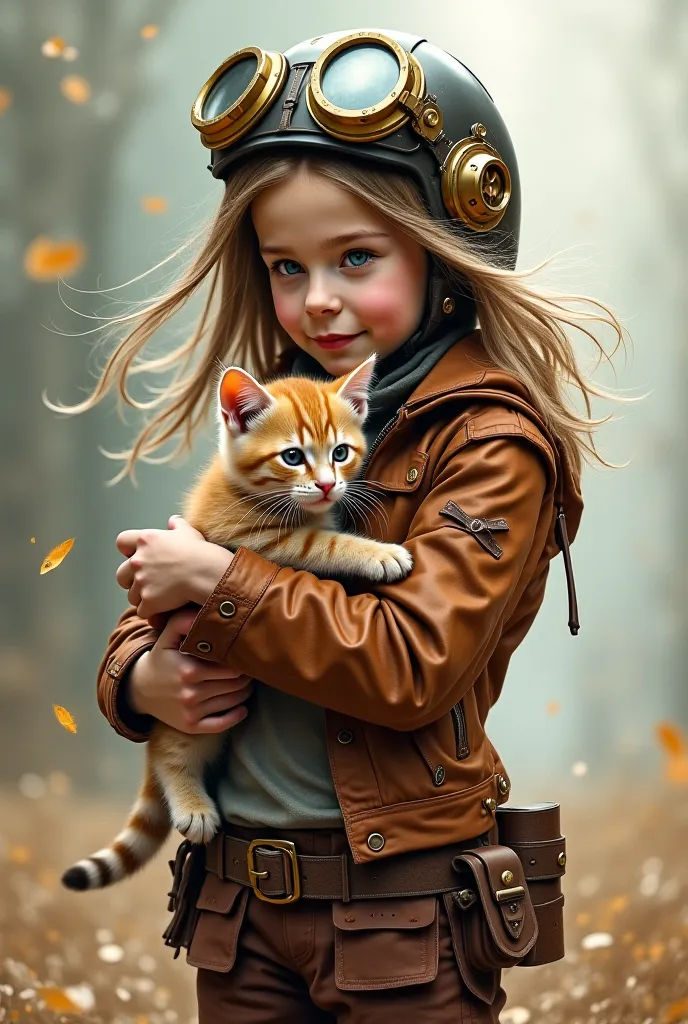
x: 460, y: 731
x: 385, y: 943
x: 221, y: 906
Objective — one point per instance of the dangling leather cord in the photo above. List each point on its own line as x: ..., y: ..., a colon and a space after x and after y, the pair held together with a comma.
x: 562, y: 540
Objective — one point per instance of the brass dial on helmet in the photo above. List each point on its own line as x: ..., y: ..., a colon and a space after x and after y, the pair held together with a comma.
x: 476, y: 184
x: 237, y: 94
x: 373, y: 72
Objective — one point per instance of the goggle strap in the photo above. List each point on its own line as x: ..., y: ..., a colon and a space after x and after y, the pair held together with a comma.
x: 292, y: 96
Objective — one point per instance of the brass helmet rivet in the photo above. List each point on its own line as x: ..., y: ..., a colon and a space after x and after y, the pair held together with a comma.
x: 448, y: 306
x: 431, y: 117
x: 561, y: 859
x: 507, y: 877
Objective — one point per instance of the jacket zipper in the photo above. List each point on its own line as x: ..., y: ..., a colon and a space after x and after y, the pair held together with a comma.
x: 459, y: 716
x: 380, y: 438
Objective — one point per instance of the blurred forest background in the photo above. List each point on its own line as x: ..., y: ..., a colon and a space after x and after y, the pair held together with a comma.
x: 102, y: 176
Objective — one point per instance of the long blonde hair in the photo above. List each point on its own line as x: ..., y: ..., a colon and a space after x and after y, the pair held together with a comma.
x: 523, y: 328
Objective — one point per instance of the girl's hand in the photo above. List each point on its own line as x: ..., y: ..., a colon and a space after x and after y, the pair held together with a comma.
x: 187, y: 693
x: 167, y: 569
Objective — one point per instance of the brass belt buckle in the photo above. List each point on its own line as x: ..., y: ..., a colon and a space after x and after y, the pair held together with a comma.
x: 286, y: 847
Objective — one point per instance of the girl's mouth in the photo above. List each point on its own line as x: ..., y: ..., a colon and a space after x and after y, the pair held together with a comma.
x: 335, y: 340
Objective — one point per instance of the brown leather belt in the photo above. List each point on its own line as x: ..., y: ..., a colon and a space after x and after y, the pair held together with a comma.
x: 278, y: 874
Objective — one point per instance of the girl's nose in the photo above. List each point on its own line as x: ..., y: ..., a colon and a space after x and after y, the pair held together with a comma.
x: 320, y: 299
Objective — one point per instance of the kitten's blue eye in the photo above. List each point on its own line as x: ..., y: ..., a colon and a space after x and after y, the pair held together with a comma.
x: 293, y: 456
x: 340, y: 453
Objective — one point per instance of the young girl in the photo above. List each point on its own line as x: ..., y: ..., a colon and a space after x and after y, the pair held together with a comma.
x: 371, y: 205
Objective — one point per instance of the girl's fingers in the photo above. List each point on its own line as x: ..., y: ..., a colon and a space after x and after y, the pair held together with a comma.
x: 221, y: 702
x: 222, y: 722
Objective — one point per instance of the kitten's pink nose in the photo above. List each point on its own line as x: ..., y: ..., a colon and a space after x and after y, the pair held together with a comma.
x: 326, y: 488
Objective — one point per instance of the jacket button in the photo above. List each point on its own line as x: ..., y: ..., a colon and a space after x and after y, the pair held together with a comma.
x: 345, y: 736
x: 411, y: 475
x: 490, y: 804
x: 227, y: 609
x: 204, y: 646
x: 503, y: 784
x: 376, y: 841
x: 439, y: 775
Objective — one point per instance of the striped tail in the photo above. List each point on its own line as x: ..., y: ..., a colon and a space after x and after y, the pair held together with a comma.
x: 145, y: 832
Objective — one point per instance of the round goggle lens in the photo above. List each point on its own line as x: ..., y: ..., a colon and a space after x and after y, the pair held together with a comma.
x: 229, y: 87
x: 360, y: 77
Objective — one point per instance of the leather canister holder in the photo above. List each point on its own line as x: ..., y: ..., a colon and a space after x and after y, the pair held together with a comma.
x: 498, y: 921
x: 533, y: 833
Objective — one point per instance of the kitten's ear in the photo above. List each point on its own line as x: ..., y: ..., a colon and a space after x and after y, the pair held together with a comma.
x: 356, y: 385
x: 240, y: 397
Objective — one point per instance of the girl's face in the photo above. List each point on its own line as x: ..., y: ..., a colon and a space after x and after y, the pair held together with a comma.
x: 337, y: 268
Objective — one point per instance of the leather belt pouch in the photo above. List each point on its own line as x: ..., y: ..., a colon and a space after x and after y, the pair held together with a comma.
x: 386, y: 943
x: 188, y: 874
x: 497, y: 917
x: 533, y: 833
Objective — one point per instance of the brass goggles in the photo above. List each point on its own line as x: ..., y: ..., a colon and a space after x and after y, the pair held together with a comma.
x: 362, y: 88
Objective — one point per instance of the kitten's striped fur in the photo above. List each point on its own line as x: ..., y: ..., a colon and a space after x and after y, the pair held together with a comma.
x: 248, y: 496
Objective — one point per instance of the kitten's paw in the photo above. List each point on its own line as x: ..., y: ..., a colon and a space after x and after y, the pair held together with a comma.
x: 198, y: 826
x: 393, y: 562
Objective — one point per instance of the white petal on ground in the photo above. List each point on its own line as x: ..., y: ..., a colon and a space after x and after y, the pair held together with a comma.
x: 597, y: 940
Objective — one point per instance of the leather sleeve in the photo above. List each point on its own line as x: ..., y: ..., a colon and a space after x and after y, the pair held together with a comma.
x: 401, y: 654
x: 130, y: 638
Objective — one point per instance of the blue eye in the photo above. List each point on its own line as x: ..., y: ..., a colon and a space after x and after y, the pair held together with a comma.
x: 293, y: 456
x: 295, y: 268
x: 356, y: 253
x: 343, y: 450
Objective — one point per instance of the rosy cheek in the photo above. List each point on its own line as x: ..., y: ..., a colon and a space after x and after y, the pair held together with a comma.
x: 286, y: 308
x: 384, y: 304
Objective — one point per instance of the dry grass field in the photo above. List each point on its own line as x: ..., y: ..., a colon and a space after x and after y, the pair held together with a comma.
x: 99, y: 958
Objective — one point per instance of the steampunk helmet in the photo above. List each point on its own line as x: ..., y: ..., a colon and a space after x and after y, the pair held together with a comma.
x: 389, y: 98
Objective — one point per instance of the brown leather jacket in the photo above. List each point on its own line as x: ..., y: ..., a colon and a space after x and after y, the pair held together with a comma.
x: 407, y: 672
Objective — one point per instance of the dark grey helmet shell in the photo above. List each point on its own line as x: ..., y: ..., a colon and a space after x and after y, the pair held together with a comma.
x: 463, y: 101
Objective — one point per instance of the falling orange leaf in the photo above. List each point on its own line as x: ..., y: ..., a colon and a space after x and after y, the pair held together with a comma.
x: 5, y: 99
x: 57, y: 1000
x: 149, y: 31
x: 154, y: 204
x: 675, y: 1012
x: 553, y: 707
x: 46, y: 259
x: 57, y: 555
x: 673, y: 742
x: 53, y: 47
x: 64, y: 718
x: 20, y: 854
x: 75, y: 88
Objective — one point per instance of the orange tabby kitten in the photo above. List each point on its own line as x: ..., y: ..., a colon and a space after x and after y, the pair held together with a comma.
x: 288, y: 451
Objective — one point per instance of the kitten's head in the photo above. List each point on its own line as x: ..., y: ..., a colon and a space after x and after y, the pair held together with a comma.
x: 295, y: 437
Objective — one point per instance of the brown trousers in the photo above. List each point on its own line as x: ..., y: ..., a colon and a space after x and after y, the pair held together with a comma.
x: 260, y: 963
